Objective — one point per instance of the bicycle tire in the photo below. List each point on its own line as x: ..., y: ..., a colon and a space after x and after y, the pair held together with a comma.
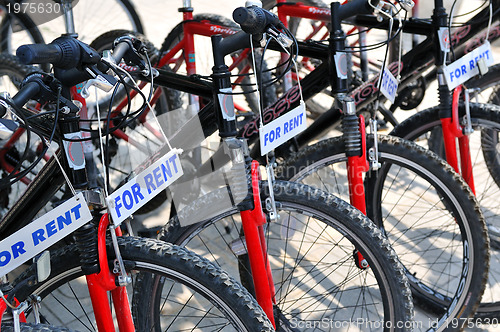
x: 15, y: 23
x: 133, y: 16
x: 268, y: 93
x: 303, y: 250
x: 486, y: 124
x: 91, y: 18
x: 35, y: 328
x: 489, y: 80
x: 149, y: 257
x: 447, y: 199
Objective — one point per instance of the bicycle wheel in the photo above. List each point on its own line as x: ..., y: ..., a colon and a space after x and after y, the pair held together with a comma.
x: 425, y: 128
x: 16, y: 29
x: 204, y: 63
x: 312, y: 247
x: 35, y: 328
x: 427, y: 212
x: 92, y: 18
x: 190, y: 293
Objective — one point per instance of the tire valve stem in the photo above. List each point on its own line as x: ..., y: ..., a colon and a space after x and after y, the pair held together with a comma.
x: 360, y: 261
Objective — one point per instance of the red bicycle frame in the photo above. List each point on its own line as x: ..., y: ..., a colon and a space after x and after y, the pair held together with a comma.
x: 452, y: 130
x: 190, y: 28
x: 253, y: 226
x: 99, y: 284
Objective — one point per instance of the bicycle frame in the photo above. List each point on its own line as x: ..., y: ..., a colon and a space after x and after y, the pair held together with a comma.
x: 453, y: 130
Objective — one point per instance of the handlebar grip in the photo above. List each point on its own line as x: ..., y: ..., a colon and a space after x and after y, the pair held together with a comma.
x: 254, y: 20
x: 119, y: 50
x: 26, y: 93
x: 39, y: 53
x: 63, y: 52
x: 356, y: 7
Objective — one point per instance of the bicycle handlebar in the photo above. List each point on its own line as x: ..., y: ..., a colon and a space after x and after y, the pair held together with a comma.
x: 39, y: 53
x: 64, y: 53
x: 254, y: 20
x: 26, y: 93
x: 356, y: 7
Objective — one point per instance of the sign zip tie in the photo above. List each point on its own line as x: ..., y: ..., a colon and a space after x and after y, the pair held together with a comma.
x: 73, y: 191
x: 391, y: 24
x: 149, y: 105
x: 489, y: 21
x: 269, y: 169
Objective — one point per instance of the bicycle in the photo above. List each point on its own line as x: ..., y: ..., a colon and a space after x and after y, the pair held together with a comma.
x: 321, y: 164
x: 351, y: 230
x: 200, y: 88
x: 194, y: 283
x: 194, y: 236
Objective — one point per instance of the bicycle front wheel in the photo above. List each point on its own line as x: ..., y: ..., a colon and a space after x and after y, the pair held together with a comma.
x: 313, y: 248
x: 425, y: 128
x: 189, y: 293
x: 427, y: 212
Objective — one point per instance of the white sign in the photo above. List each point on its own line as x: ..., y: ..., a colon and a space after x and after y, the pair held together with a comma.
x: 42, y: 233
x: 282, y: 129
x: 444, y: 39
x: 466, y: 67
x: 389, y: 85
x: 74, y: 151
x: 226, y: 103
x: 142, y: 188
x: 341, y: 64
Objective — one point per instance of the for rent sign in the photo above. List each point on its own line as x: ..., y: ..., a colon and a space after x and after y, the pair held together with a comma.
x: 467, y: 66
x: 282, y: 129
x: 43, y: 233
x: 142, y: 188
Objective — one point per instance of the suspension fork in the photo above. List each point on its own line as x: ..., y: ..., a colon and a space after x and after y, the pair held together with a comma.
x: 101, y: 282
x: 253, y: 227
x: 354, y: 136
x: 452, y: 130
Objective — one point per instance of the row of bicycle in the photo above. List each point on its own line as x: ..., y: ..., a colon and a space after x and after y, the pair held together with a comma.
x: 101, y: 135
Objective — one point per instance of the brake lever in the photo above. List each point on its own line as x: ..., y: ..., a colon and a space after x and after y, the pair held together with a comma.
x: 280, y: 37
x: 100, y: 80
x: 407, y: 5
